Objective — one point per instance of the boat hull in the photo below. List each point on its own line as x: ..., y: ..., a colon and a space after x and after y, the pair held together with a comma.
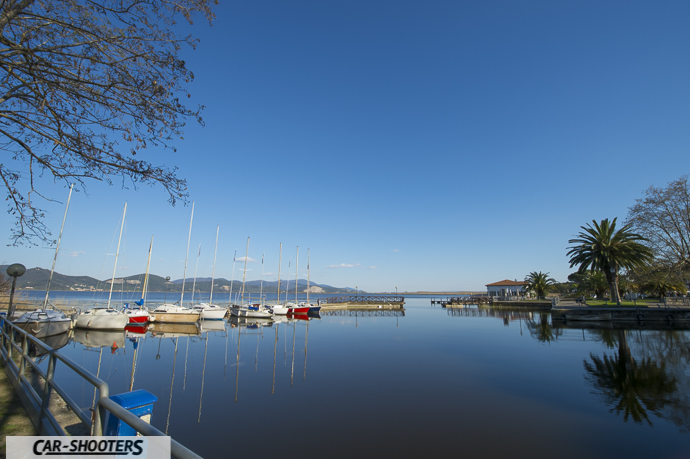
x: 102, y: 322
x: 250, y: 313
x: 175, y: 317
x: 42, y: 329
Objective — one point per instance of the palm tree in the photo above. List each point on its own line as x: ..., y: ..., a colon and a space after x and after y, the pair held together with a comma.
x: 602, y: 248
x: 540, y: 283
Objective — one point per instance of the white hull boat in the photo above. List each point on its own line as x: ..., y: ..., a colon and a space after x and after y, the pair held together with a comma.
x: 102, y: 319
x: 211, y: 311
x: 257, y: 312
x: 44, y: 322
x: 170, y: 313
x: 279, y: 309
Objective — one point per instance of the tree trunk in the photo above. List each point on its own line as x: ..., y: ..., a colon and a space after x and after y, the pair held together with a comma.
x: 612, y: 279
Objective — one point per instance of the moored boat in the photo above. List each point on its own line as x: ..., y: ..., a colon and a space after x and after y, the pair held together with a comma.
x: 100, y: 318
x: 171, y: 313
x: 138, y: 315
x: 257, y: 311
x: 210, y: 311
x: 106, y: 318
x: 44, y: 322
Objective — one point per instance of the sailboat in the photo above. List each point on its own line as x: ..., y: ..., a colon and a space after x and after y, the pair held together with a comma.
x: 210, y: 311
x: 47, y: 322
x: 173, y: 313
x: 141, y: 315
x: 312, y: 308
x: 105, y: 318
x: 278, y: 308
x: 295, y: 308
x: 250, y: 310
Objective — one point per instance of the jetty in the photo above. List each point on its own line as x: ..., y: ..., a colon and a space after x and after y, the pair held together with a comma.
x: 362, y: 302
x: 495, y: 302
x: 631, y: 314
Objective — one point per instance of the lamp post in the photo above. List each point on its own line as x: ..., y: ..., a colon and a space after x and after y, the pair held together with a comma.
x: 167, y: 281
x: 14, y: 271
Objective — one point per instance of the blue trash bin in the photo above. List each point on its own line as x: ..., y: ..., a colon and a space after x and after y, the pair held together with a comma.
x: 139, y: 402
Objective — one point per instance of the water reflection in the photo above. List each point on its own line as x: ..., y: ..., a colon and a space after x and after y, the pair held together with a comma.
x: 631, y: 386
x: 98, y: 339
x: 541, y: 329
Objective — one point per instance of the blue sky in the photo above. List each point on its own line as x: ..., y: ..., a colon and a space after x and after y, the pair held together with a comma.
x: 424, y: 145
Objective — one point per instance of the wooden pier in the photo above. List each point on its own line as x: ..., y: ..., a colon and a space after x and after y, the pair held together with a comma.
x: 362, y: 302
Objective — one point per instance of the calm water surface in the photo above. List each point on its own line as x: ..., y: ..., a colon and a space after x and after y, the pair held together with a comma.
x: 432, y: 382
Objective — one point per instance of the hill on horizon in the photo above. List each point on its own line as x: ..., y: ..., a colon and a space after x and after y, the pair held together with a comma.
x: 37, y: 279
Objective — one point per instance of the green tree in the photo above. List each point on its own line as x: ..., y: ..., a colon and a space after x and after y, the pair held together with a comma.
x: 86, y: 86
x: 540, y: 283
x: 601, y: 248
x: 590, y: 283
x: 660, y: 284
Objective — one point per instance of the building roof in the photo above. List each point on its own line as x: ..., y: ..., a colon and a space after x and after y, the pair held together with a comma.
x: 506, y: 283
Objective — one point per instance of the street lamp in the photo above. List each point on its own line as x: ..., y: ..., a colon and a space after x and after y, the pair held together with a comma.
x: 167, y: 281
x: 14, y: 271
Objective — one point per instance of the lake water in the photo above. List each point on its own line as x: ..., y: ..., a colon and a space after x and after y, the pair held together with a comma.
x: 427, y: 383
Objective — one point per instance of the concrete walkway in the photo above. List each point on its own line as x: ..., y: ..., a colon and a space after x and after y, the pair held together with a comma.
x: 13, y: 417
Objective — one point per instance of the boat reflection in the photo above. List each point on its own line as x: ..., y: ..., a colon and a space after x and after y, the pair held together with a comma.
x: 212, y: 326
x: 54, y: 342
x: 250, y: 322
x: 173, y: 330
x: 95, y: 339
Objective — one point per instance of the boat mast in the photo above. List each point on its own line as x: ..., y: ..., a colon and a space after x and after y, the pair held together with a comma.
x: 296, y: 273
x: 117, y: 253
x: 146, y: 276
x: 189, y: 238
x: 213, y: 272
x: 195, y: 270
x: 261, y: 289
x: 280, y: 259
x: 57, y: 248
x: 308, y: 276
x: 244, y: 274
x: 232, y: 281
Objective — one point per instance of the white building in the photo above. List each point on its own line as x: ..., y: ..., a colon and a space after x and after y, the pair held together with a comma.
x: 505, y: 287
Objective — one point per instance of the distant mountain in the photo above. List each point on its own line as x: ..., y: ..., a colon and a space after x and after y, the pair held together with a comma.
x: 37, y: 279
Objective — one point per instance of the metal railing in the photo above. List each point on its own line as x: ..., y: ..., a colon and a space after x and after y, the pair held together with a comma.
x: 14, y: 352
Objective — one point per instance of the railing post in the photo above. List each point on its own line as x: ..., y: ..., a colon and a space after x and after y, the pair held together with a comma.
x: 45, y: 403
x: 99, y: 419
x: 23, y: 356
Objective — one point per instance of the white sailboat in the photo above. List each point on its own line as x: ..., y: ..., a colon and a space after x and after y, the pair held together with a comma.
x: 47, y: 322
x: 312, y: 307
x: 106, y: 318
x: 210, y: 311
x: 173, y: 313
x: 258, y: 310
x: 278, y: 308
x: 140, y: 315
